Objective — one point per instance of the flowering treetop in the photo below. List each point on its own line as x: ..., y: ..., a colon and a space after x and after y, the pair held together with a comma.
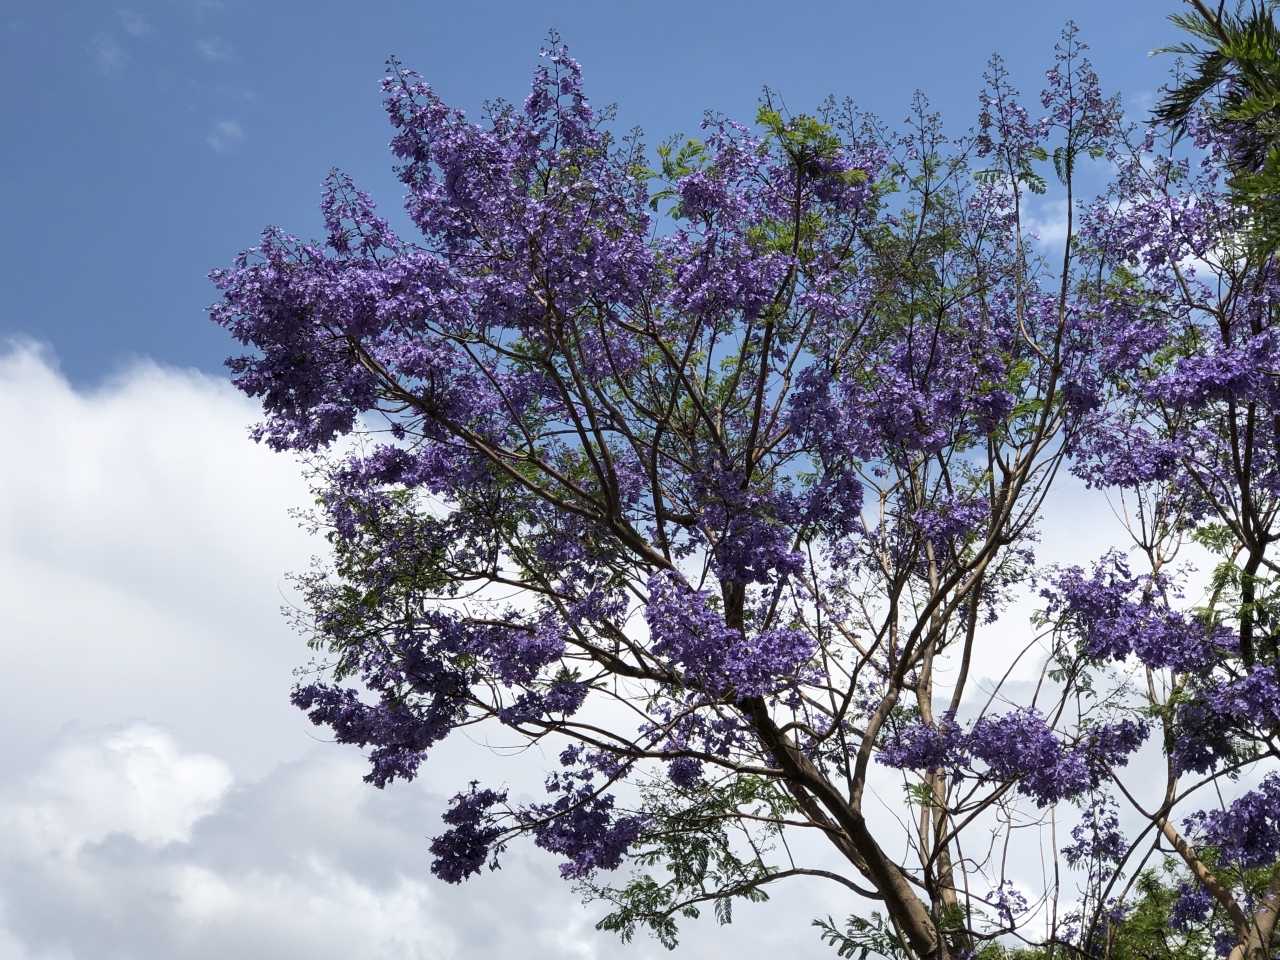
x: 716, y: 476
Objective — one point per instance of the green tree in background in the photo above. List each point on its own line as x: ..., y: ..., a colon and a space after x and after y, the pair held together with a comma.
x: 1235, y: 74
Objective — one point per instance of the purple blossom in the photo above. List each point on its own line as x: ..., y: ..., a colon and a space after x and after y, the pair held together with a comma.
x: 831, y: 427
x: 922, y: 746
x: 1097, y: 839
x: 1008, y: 901
x: 1018, y: 746
x: 951, y: 517
x: 758, y: 666
x: 400, y: 736
x: 749, y: 531
x: 588, y: 836
x: 1116, y: 615
x: 685, y: 772
x: 1106, y: 745
x: 1247, y: 832
x: 1021, y: 746
x: 581, y: 826
x: 1192, y: 908
x: 1221, y: 714
x: 684, y: 628
x: 471, y: 838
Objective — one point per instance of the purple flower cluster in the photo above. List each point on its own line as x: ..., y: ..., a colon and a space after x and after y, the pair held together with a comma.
x: 400, y: 736
x: 751, y: 537
x: 1098, y: 842
x: 1192, y: 908
x: 687, y: 631
x: 685, y: 772
x: 1246, y: 833
x: 920, y: 398
x: 1223, y: 714
x: 1019, y: 746
x: 564, y: 698
x: 924, y: 746
x: 581, y: 824
x: 471, y: 838
x: 1115, y: 615
x: 1008, y: 901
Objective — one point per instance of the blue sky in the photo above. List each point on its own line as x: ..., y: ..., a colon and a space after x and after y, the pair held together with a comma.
x: 147, y: 141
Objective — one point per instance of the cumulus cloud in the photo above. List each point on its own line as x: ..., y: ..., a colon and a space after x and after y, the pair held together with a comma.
x: 163, y: 801
x: 143, y: 543
x: 126, y: 838
x: 306, y: 862
x: 133, y: 782
x: 1049, y: 223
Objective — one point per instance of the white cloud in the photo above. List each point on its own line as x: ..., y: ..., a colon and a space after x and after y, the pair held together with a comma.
x: 1141, y: 103
x: 135, y: 24
x: 128, y: 840
x: 143, y: 546
x: 226, y: 135
x: 215, y: 49
x: 108, y: 55
x: 1049, y: 223
x: 133, y: 781
x: 159, y: 797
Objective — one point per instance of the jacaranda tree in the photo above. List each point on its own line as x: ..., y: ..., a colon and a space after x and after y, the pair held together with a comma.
x: 712, y: 474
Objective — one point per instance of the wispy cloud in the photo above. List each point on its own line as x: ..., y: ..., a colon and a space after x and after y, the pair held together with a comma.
x: 135, y: 24
x: 215, y: 50
x: 1140, y: 103
x: 226, y: 135
x: 108, y: 55
x: 234, y: 93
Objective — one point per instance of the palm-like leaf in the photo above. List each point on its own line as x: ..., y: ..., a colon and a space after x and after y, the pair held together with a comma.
x: 1234, y: 83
